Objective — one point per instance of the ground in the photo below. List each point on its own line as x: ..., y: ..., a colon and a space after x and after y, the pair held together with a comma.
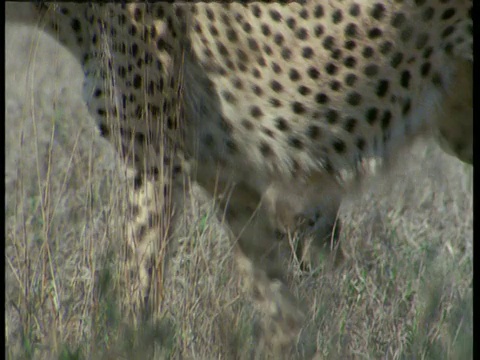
x: 405, y: 290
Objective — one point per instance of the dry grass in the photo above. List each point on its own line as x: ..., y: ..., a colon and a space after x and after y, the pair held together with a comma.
x: 405, y: 291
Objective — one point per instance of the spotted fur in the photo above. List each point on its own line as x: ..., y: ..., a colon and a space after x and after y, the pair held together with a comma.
x: 273, y: 108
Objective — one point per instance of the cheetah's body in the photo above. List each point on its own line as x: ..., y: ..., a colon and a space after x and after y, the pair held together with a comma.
x: 279, y: 105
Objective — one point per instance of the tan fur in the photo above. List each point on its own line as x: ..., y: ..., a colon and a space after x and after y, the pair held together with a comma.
x: 275, y: 109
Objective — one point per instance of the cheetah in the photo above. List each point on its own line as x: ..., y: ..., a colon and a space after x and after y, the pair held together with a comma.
x: 275, y: 109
